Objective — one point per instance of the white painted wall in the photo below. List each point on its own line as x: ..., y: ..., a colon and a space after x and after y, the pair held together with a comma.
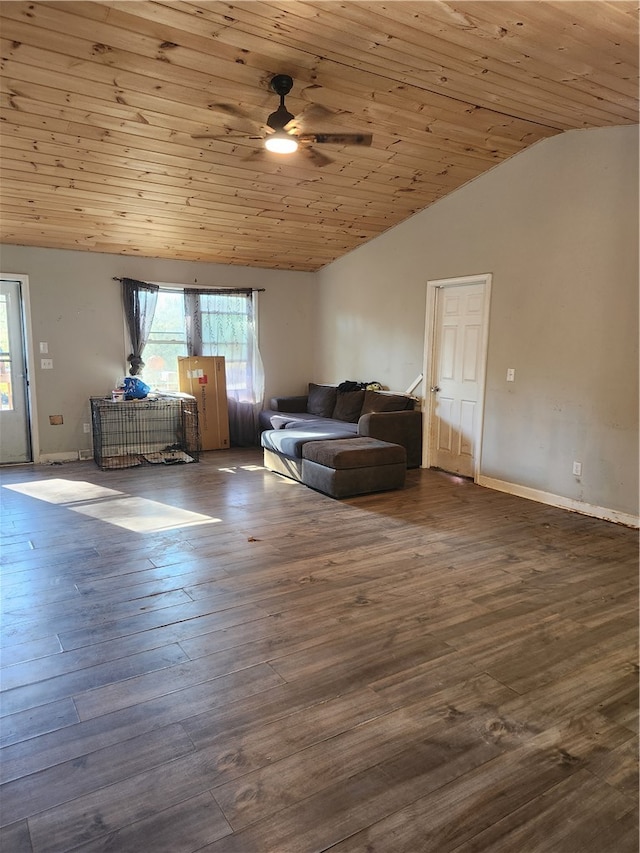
x: 76, y: 308
x: 557, y: 226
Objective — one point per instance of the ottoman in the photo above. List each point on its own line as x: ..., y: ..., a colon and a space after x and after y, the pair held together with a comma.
x: 283, y: 447
x: 342, y: 468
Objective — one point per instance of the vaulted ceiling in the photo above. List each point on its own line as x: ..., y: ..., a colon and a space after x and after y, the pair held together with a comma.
x: 101, y: 103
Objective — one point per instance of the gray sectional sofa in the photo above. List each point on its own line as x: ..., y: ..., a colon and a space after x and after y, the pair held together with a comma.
x: 328, y: 414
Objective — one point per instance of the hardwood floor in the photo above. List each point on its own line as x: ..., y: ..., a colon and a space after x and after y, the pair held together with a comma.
x: 212, y: 658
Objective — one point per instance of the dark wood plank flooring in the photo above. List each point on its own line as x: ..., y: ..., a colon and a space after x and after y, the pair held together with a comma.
x: 210, y: 657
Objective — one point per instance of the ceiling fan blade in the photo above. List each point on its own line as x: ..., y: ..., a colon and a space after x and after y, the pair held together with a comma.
x: 230, y: 110
x: 232, y: 135
x: 337, y: 138
x: 316, y: 157
x: 244, y: 121
x: 257, y: 155
x: 310, y: 115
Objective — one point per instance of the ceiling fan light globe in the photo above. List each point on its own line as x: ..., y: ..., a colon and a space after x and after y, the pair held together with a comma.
x: 281, y: 143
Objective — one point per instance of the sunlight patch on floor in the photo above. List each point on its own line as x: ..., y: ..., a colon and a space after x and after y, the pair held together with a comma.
x: 140, y: 515
x: 233, y: 469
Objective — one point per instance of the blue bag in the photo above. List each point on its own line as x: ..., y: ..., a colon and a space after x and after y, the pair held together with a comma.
x: 135, y: 388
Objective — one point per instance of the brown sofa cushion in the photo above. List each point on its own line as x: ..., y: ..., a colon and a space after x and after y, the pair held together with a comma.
x: 322, y: 400
x: 375, y: 401
x: 348, y: 406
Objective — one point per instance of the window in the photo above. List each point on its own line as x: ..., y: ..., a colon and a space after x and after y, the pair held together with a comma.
x: 167, y: 340
x: 222, y: 324
x: 6, y: 395
x: 204, y: 322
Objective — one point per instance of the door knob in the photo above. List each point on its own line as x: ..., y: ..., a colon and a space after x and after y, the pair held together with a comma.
x: 436, y: 388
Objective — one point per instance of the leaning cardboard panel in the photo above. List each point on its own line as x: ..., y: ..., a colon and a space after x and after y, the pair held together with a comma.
x: 204, y: 377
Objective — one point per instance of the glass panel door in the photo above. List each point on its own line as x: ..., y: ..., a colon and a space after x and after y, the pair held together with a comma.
x: 15, y: 444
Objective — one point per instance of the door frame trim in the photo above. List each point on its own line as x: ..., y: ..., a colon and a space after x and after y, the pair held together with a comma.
x: 434, y: 288
x: 32, y: 414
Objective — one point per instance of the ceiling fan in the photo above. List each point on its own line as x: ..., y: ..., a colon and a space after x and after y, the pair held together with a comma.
x: 284, y: 133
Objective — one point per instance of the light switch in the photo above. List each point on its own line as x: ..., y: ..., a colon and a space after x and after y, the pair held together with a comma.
x: 511, y: 374
x: 44, y: 347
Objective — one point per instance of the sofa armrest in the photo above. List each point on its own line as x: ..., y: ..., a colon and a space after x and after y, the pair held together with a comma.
x: 289, y: 404
x: 403, y: 428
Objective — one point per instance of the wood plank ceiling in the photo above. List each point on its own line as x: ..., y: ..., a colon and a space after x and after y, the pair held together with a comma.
x: 100, y: 102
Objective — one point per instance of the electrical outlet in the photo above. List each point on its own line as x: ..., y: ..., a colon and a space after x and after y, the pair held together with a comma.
x: 86, y: 427
x: 577, y: 469
x: 511, y: 374
x: 46, y: 363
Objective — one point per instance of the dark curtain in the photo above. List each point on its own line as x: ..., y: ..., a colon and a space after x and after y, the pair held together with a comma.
x: 193, y: 322
x: 139, y: 300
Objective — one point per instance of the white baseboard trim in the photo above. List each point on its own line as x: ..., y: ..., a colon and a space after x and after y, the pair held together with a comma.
x: 560, y: 502
x: 66, y: 456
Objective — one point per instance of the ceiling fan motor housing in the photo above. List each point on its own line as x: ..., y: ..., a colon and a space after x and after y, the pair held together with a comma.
x: 281, y: 84
x: 279, y: 118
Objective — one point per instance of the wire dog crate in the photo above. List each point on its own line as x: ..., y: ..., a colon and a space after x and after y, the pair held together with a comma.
x: 136, y: 432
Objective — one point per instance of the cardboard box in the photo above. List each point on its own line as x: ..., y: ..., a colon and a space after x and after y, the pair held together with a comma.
x: 204, y: 377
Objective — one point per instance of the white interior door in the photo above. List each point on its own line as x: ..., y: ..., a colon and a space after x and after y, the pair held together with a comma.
x: 15, y: 441
x: 458, y: 354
